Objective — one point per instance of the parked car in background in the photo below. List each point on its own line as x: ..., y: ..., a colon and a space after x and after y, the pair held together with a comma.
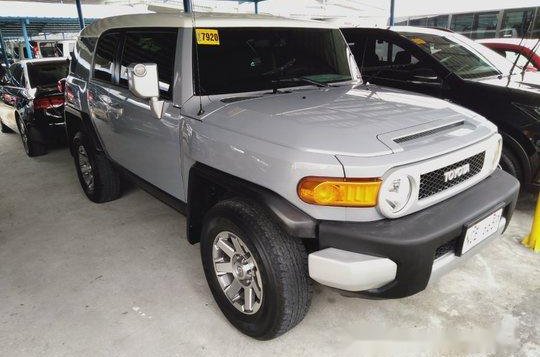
x: 448, y: 65
x: 46, y: 49
x: 525, y: 51
x: 32, y: 104
x: 41, y: 48
x: 287, y: 166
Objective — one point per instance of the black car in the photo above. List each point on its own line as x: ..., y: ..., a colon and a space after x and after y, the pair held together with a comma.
x: 450, y: 66
x: 32, y: 103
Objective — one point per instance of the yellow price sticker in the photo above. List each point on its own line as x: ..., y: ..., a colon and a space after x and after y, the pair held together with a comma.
x: 207, y: 37
x: 418, y: 41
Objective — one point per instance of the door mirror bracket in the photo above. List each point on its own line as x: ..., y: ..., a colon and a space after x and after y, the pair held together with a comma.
x: 143, y: 82
x: 156, y: 106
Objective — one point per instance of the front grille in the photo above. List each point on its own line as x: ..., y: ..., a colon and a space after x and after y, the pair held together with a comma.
x: 445, y: 248
x: 433, y: 182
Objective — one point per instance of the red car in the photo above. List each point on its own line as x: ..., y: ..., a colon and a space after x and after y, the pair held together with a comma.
x: 511, y: 47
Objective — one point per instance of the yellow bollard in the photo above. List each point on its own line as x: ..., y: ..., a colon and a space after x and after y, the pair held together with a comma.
x: 533, y: 240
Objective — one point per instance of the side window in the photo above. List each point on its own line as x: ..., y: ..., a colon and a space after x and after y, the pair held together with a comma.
x: 385, y: 60
x: 104, y: 57
x: 151, y: 47
x: 382, y: 58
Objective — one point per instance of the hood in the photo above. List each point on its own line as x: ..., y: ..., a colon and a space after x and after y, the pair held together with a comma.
x: 360, y: 120
x: 528, y: 82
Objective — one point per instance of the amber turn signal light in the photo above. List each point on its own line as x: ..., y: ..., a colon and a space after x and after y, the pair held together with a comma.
x: 327, y: 191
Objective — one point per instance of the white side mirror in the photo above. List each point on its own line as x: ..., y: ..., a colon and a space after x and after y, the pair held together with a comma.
x: 144, y: 83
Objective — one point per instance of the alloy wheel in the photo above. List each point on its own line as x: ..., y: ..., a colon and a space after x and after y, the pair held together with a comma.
x: 237, y: 272
x: 86, y: 167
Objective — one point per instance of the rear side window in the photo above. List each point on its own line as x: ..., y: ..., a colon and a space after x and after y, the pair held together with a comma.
x: 151, y: 47
x: 104, y: 57
x: 81, y: 57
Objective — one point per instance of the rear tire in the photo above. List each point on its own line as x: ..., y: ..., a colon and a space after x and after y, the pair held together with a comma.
x: 277, y: 264
x: 97, y: 176
x: 31, y: 139
x: 511, y: 164
x: 4, y: 128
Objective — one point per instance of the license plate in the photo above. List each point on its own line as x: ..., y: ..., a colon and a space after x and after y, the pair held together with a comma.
x: 481, y: 231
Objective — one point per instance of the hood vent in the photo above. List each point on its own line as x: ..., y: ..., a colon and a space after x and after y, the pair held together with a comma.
x: 427, y: 132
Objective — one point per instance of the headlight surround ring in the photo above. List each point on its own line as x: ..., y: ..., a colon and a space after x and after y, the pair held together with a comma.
x: 397, y: 193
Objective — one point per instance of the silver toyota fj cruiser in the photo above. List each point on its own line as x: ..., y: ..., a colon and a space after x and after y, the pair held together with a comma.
x: 288, y: 167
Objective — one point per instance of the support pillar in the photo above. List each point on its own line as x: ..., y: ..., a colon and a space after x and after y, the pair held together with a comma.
x: 79, y: 13
x: 392, y: 9
x: 187, y: 6
x: 26, y: 38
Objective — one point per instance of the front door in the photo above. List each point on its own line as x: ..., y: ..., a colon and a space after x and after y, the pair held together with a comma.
x: 133, y: 137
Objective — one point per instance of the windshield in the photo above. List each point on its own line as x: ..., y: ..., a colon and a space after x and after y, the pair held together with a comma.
x: 235, y: 60
x: 42, y: 74
x: 462, y: 56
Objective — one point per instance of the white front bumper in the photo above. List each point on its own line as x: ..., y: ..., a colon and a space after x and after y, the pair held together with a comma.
x: 350, y: 271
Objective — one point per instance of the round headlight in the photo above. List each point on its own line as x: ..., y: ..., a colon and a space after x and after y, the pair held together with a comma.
x: 395, y: 194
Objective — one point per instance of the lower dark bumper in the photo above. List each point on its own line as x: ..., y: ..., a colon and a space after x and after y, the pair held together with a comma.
x: 412, y: 241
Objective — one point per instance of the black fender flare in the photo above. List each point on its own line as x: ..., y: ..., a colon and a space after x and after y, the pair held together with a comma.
x: 207, y: 186
x: 76, y: 120
x: 517, y: 149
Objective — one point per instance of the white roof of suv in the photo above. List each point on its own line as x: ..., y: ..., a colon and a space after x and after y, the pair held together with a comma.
x: 202, y: 20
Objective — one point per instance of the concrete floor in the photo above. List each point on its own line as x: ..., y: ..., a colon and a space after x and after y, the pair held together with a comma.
x: 81, y: 279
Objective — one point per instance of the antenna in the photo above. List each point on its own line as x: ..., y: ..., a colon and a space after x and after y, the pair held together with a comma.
x: 532, y: 51
x: 198, y: 84
x: 529, y: 28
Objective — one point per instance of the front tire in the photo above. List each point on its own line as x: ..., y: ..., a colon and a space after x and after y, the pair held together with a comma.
x: 98, y: 178
x: 510, y: 163
x: 256, y: 272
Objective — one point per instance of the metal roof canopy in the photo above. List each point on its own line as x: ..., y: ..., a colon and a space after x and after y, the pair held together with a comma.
x: 53, y: 18
x: 11, y: 26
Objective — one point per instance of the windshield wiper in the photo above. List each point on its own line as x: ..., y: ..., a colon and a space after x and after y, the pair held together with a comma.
x: 301, y: 79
